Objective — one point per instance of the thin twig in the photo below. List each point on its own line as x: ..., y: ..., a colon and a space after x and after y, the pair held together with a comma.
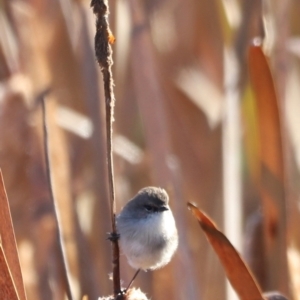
x: 50, y: 185
x: 103, y: 51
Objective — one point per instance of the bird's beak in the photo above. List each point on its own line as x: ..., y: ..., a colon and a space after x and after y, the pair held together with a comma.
x: 163, y: 208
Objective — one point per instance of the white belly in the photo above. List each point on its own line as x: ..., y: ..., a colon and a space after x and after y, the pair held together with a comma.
x: 152, y: 243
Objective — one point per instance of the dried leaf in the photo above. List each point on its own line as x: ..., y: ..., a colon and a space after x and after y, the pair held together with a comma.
x: 9, y: 243
x: 271, y: 181
x: 268, y: 111
x: 236, y: 270
x: 7, y: 287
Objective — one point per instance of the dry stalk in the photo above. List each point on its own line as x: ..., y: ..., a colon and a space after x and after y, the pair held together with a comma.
x: 53, y: 201
x: 103, y: 39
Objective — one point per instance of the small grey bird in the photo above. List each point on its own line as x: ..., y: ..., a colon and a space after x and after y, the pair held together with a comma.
x: 148, y: 234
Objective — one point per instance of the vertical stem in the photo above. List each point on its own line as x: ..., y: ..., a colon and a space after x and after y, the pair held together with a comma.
x: 53, y: 201
x: 103, y: 39
x: 107, y: 77
x: 231, y: 160
x: 109, y: 123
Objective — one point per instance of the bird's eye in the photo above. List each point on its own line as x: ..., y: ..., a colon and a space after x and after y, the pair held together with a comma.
x: 149, y: 207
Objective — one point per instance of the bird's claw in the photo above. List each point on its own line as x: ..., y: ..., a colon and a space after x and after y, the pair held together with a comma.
x: 113, y: 236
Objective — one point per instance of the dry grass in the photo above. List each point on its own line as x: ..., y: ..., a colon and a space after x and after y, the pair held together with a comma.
x: 184, y: 107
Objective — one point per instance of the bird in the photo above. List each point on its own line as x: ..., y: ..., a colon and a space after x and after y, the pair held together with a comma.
x: 147, y: 230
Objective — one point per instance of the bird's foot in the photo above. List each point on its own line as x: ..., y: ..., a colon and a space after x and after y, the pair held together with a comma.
x: 113, y: 236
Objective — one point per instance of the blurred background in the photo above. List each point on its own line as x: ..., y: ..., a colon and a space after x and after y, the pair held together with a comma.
x: 187, y: 118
